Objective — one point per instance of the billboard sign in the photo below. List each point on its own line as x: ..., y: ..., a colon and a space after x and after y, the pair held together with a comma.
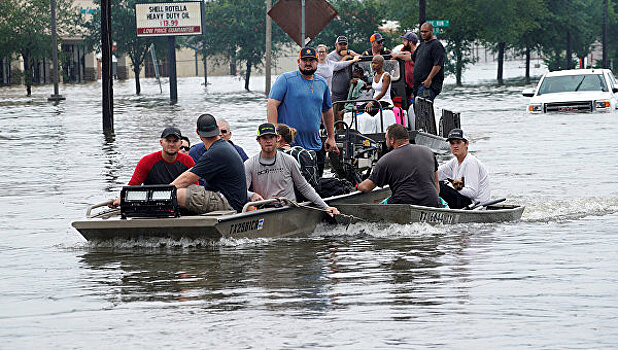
x: 168, y: 18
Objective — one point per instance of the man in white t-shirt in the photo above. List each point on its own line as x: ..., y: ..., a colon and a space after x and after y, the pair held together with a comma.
x: 464, y: 168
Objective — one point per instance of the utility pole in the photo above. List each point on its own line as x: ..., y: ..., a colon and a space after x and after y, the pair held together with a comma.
x: 106, y: 65
x: 302, y: 22
x: 56, y: 96
x: 171, y: 48
x: 604, y: 34
x: 269, y: 43
x: 422, y: 12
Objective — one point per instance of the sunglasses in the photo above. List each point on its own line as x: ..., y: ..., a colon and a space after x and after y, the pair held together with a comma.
x: 223, y: 131
x: 185, y: 148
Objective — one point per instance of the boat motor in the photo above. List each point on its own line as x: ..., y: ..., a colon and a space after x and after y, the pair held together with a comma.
x: 357, y: 153
x: 155, y: 201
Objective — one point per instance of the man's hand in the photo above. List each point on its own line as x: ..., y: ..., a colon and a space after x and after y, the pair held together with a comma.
x: 256, y: 197
x: 427, y: 82
x: 330, y: 145
x: 332, y: 211
x: 115, y: 203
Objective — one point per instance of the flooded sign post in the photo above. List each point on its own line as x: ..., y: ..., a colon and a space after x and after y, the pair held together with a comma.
x: 56, y: 96
x: 106, y: 65
x: 169, y: 19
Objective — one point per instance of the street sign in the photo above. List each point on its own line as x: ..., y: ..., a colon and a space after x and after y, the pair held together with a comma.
x: 287, y: 14
x: 439, y: 22
x: 168, y: 18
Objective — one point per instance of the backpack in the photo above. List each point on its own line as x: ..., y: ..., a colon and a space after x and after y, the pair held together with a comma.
x: 332, y: 186
x: 307, y: 162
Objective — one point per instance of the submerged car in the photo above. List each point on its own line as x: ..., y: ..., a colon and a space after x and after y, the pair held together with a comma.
x: 577, y: 90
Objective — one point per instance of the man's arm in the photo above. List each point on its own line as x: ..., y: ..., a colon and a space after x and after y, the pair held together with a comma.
x: 436, y: 182
x: 366, y: 186
x: 185, y: 179
x: 434, y: 71
x: 271, y: 110
x: 402, y: 55
x: 329, y: 122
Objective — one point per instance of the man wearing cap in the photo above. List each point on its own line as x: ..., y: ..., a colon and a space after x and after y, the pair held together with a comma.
x: 225, y: 133
x: 405, y: 54
x: 301, y: 100
x: 222, y: 169
x: 341, y: 78
x: 464, y: 167
x: 161, y: 167
x: 275, y: 174
x: 377, y: 46
x: 409, y: 170
x: 428, y: 65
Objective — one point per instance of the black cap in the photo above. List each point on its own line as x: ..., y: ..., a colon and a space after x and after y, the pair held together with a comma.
x: 171, y: 131
x: 341, y: 40
x: 457, y: 134
x: 207, y: 126
x: 266, y: 129
x: 308, y: 52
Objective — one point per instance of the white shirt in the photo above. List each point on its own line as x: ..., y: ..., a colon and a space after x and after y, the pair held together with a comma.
x: 476, y: 181
x: 325, y: 70
x: 377, y: 89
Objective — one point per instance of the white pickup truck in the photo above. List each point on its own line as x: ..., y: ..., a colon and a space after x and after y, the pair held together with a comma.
x: 576, y: 90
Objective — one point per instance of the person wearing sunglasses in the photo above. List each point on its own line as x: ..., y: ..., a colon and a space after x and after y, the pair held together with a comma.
x: 161, y: 167
x: 225, y: 133
x: 185, y: 145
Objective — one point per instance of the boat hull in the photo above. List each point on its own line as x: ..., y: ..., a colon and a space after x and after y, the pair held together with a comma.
x: 287, y: 221
x: 407, y: 214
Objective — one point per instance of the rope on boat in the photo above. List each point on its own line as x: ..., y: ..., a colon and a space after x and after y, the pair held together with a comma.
x: 298, y: 205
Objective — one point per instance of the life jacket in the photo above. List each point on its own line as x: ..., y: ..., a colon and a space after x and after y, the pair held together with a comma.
x: 307, y: 162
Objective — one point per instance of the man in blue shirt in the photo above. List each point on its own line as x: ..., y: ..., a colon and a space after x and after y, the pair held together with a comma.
x: 301, y: 100
x: 221, y: 167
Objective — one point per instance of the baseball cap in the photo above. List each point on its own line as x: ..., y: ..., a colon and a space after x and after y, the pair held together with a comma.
x: 266, y: 129
x: 207, y: 126
x: 308, y: 52
x: 171, y: 131
x: 457, y: 134
x: 376, y: 37
x: 410, y: 37
x: 341, y: 40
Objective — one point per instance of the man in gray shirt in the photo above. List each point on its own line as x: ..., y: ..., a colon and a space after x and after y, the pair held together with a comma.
x: 274, y: 174
x: 342, y: 77
x: 411, y: 171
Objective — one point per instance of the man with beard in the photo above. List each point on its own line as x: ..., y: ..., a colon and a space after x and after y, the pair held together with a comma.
x: 405, y: 54
x: 411, y: 171
x: 301, y: 100
x: 341, y: 78
x: 161, y: 167
x: 428, y: 65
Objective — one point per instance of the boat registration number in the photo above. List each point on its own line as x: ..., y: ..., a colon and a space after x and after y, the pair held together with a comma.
x: 434, y: 217
x: 245, y: 226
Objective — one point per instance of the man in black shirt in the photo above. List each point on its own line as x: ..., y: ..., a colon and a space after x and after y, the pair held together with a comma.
x: 411, y: 171
x: 220, y: 166
x: 377, y: 46
x: 428, y: 65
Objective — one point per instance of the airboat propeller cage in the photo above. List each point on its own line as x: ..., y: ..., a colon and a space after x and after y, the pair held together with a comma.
x: 156, y: 201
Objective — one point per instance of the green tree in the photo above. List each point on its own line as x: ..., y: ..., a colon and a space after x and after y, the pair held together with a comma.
x: 237, y: 31
x: 357, y: 20
x: 25, y: 29
x: 124, y: 35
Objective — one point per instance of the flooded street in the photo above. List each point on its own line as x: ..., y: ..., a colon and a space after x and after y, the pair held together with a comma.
x: 548, y: 281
